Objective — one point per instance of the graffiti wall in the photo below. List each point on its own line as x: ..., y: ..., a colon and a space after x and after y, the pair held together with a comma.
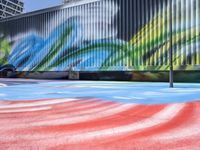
x: 105, y: 35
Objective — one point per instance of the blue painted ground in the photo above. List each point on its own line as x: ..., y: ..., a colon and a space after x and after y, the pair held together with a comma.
x: 126, y: 92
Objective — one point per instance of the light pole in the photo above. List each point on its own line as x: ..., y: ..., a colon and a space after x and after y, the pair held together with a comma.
x: 171, y: 72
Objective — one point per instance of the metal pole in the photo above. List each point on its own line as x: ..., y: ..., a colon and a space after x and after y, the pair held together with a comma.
x: 171, y: 72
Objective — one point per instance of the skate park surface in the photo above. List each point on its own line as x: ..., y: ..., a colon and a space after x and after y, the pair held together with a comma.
x: 60, y: 114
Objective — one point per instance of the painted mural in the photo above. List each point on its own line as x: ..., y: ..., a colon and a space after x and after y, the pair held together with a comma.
x: 106, y: 35
x: 4, y: 50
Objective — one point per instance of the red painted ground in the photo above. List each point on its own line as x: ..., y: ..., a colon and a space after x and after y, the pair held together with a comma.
x: 96, y: 124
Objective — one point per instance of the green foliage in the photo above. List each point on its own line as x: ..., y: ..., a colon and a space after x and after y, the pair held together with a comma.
x: 4, y: 50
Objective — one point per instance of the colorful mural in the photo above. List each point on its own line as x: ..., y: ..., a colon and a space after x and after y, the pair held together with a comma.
x: 4, y: 50
x: 64, y: 115
x: 107, y: 35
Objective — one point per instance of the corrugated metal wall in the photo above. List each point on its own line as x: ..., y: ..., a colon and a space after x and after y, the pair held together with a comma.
x: 106, y: 35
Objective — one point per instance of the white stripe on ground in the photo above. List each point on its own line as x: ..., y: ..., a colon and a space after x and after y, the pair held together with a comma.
x: 37, y: 103
x: 25, y: 110
x: 3, y: 85
x: 89, y: 117
x: 187, y: 129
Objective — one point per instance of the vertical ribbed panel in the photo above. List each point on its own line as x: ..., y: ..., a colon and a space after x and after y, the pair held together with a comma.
x: 106, y: 35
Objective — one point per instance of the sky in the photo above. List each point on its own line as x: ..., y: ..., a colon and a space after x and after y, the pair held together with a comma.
x: 31, y: 5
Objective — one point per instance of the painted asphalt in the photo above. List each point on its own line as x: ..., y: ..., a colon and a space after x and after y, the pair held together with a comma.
x: 39, y: 114
x: 123, y: 92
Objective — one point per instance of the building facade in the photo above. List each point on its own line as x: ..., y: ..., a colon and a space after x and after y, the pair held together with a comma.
x: 66, y: 1
x: 10, y: 8
x: 106, y: 36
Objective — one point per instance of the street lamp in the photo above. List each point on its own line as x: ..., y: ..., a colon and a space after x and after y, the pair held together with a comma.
x: 171, y: 72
